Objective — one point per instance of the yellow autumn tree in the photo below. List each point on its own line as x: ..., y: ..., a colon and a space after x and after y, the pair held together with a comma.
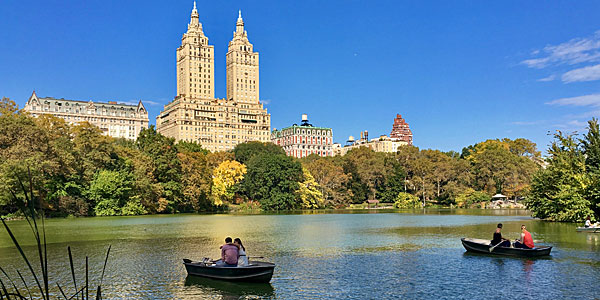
x: 225, y: 177
x: 309, y: 192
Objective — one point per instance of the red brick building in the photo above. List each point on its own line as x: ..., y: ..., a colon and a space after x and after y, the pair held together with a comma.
x: 401, y: 131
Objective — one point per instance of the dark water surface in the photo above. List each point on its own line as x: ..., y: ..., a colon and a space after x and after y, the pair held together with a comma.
x: 374, y: 255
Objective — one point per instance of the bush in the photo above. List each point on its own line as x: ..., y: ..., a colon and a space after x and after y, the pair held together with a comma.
x: 406, y: 200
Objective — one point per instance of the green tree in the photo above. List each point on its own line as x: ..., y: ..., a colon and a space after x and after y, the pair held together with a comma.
x: 272, y: 180
x: 167, y: 167
x: 557, y: 192
x: 110, y: 191
x: 591, y: 150
x: 245, y: 151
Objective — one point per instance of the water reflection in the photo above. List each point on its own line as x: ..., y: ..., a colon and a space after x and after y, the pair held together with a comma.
x: 230, y: 290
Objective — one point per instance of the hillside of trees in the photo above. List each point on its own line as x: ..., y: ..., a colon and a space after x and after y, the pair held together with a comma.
x: 76, y: 170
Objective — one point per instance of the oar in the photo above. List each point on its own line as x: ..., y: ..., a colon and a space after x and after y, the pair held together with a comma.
x: 261, y: 257
x: 494, y: 247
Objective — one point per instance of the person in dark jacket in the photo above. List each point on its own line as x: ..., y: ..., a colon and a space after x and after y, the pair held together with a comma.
x: 498, y: 238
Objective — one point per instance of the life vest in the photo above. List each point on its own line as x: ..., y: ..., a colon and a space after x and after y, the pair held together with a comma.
x: 527, y: 239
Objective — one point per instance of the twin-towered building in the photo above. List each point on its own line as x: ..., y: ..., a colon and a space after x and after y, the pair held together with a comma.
x: 195, y: 115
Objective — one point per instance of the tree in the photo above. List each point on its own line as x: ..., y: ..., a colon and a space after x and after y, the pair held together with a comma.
x: 406, y: 200
x: 245, y: 151
x: 557, y: 192
x: 309, y: 193
x: 591, y: 150
x: 331, y: 181
x: 225, y: 177
x: 272, y: 179
x: 110, y: 191
x: 370, y: 167
x: 196, y: 180
x: 167, y: 167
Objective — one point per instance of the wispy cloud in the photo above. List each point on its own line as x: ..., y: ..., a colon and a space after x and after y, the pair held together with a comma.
x: 527, y: 123
x: 586, y: 100
x: 135, y: 102
x: 577, y: 50
x: 265, y: 101
x: 549, y: 78
x: 590, y: 73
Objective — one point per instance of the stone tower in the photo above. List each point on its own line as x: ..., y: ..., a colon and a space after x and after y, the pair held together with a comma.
x: 195, y: 62
x: 401, y: 131
x: 242, y: 67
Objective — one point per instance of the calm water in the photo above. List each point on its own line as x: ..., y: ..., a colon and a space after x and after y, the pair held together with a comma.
x: 375, y: 255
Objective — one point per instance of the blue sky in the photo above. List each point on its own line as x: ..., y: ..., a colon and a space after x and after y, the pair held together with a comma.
x: 460, y: 72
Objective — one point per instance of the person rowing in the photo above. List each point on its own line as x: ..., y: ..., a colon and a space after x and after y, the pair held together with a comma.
x: 498, y: 240
x: 526, y: 241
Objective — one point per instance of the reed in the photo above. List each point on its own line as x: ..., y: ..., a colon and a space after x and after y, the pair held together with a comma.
x: 8, y: 287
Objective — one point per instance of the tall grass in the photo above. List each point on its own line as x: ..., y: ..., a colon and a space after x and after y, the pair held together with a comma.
x: 8, y: 287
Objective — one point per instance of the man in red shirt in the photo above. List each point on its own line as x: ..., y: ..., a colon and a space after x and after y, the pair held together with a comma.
x: 526, y: 241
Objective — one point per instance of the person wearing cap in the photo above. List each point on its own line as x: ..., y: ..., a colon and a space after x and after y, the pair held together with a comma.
x: 498, y: 238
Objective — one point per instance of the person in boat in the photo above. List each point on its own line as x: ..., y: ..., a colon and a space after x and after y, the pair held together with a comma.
x: 243, y: 258
x: 588, y: 223
x: 498, y: 238
x: 526, y: 241
x: 229, y: 254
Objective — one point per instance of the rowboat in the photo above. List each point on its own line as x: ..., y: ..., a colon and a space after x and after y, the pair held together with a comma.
x: 589, y: 229
x: 255, y: 271
x: 483, y: 246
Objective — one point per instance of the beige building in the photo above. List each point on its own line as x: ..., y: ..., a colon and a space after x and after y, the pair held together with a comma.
x: 380, y: 144
x: 195, y: 115
x: 114, y: 119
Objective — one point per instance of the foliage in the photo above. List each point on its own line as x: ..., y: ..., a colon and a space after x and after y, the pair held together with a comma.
x: 558, y: 191
x: 110, y: 191
x: 330, y: 179
x: 225, y: 177
x: 406, y: 200
x: 309, y: 192
x: 272, y: 180
x: 245, y: 151
x: 470, y: 197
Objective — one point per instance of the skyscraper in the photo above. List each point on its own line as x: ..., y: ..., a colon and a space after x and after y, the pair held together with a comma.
x: 195, y: 115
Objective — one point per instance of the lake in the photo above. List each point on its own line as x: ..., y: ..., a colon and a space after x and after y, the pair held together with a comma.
x: 362, y: 254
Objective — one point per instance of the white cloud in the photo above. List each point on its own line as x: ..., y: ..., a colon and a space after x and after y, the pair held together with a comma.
x: 549, y: 78
x: 577, y: 50
x: 265, y: 101
x: 590, y: 73
x: 586, y: 100
x: 527, y: 123
x: 135, y: 102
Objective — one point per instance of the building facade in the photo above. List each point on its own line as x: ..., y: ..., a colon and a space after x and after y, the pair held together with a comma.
x: 195, y: 115
x: 380, y: 144
x: 401, y: 131
x: 114, y: 119
x: 304, y: 139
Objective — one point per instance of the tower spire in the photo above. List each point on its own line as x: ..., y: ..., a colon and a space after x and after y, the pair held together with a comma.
x: 194, y: 20
x: 239, y: 26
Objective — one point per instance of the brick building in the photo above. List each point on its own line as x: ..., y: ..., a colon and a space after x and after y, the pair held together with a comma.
x: 304, y: 139
x: 401, y: 130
